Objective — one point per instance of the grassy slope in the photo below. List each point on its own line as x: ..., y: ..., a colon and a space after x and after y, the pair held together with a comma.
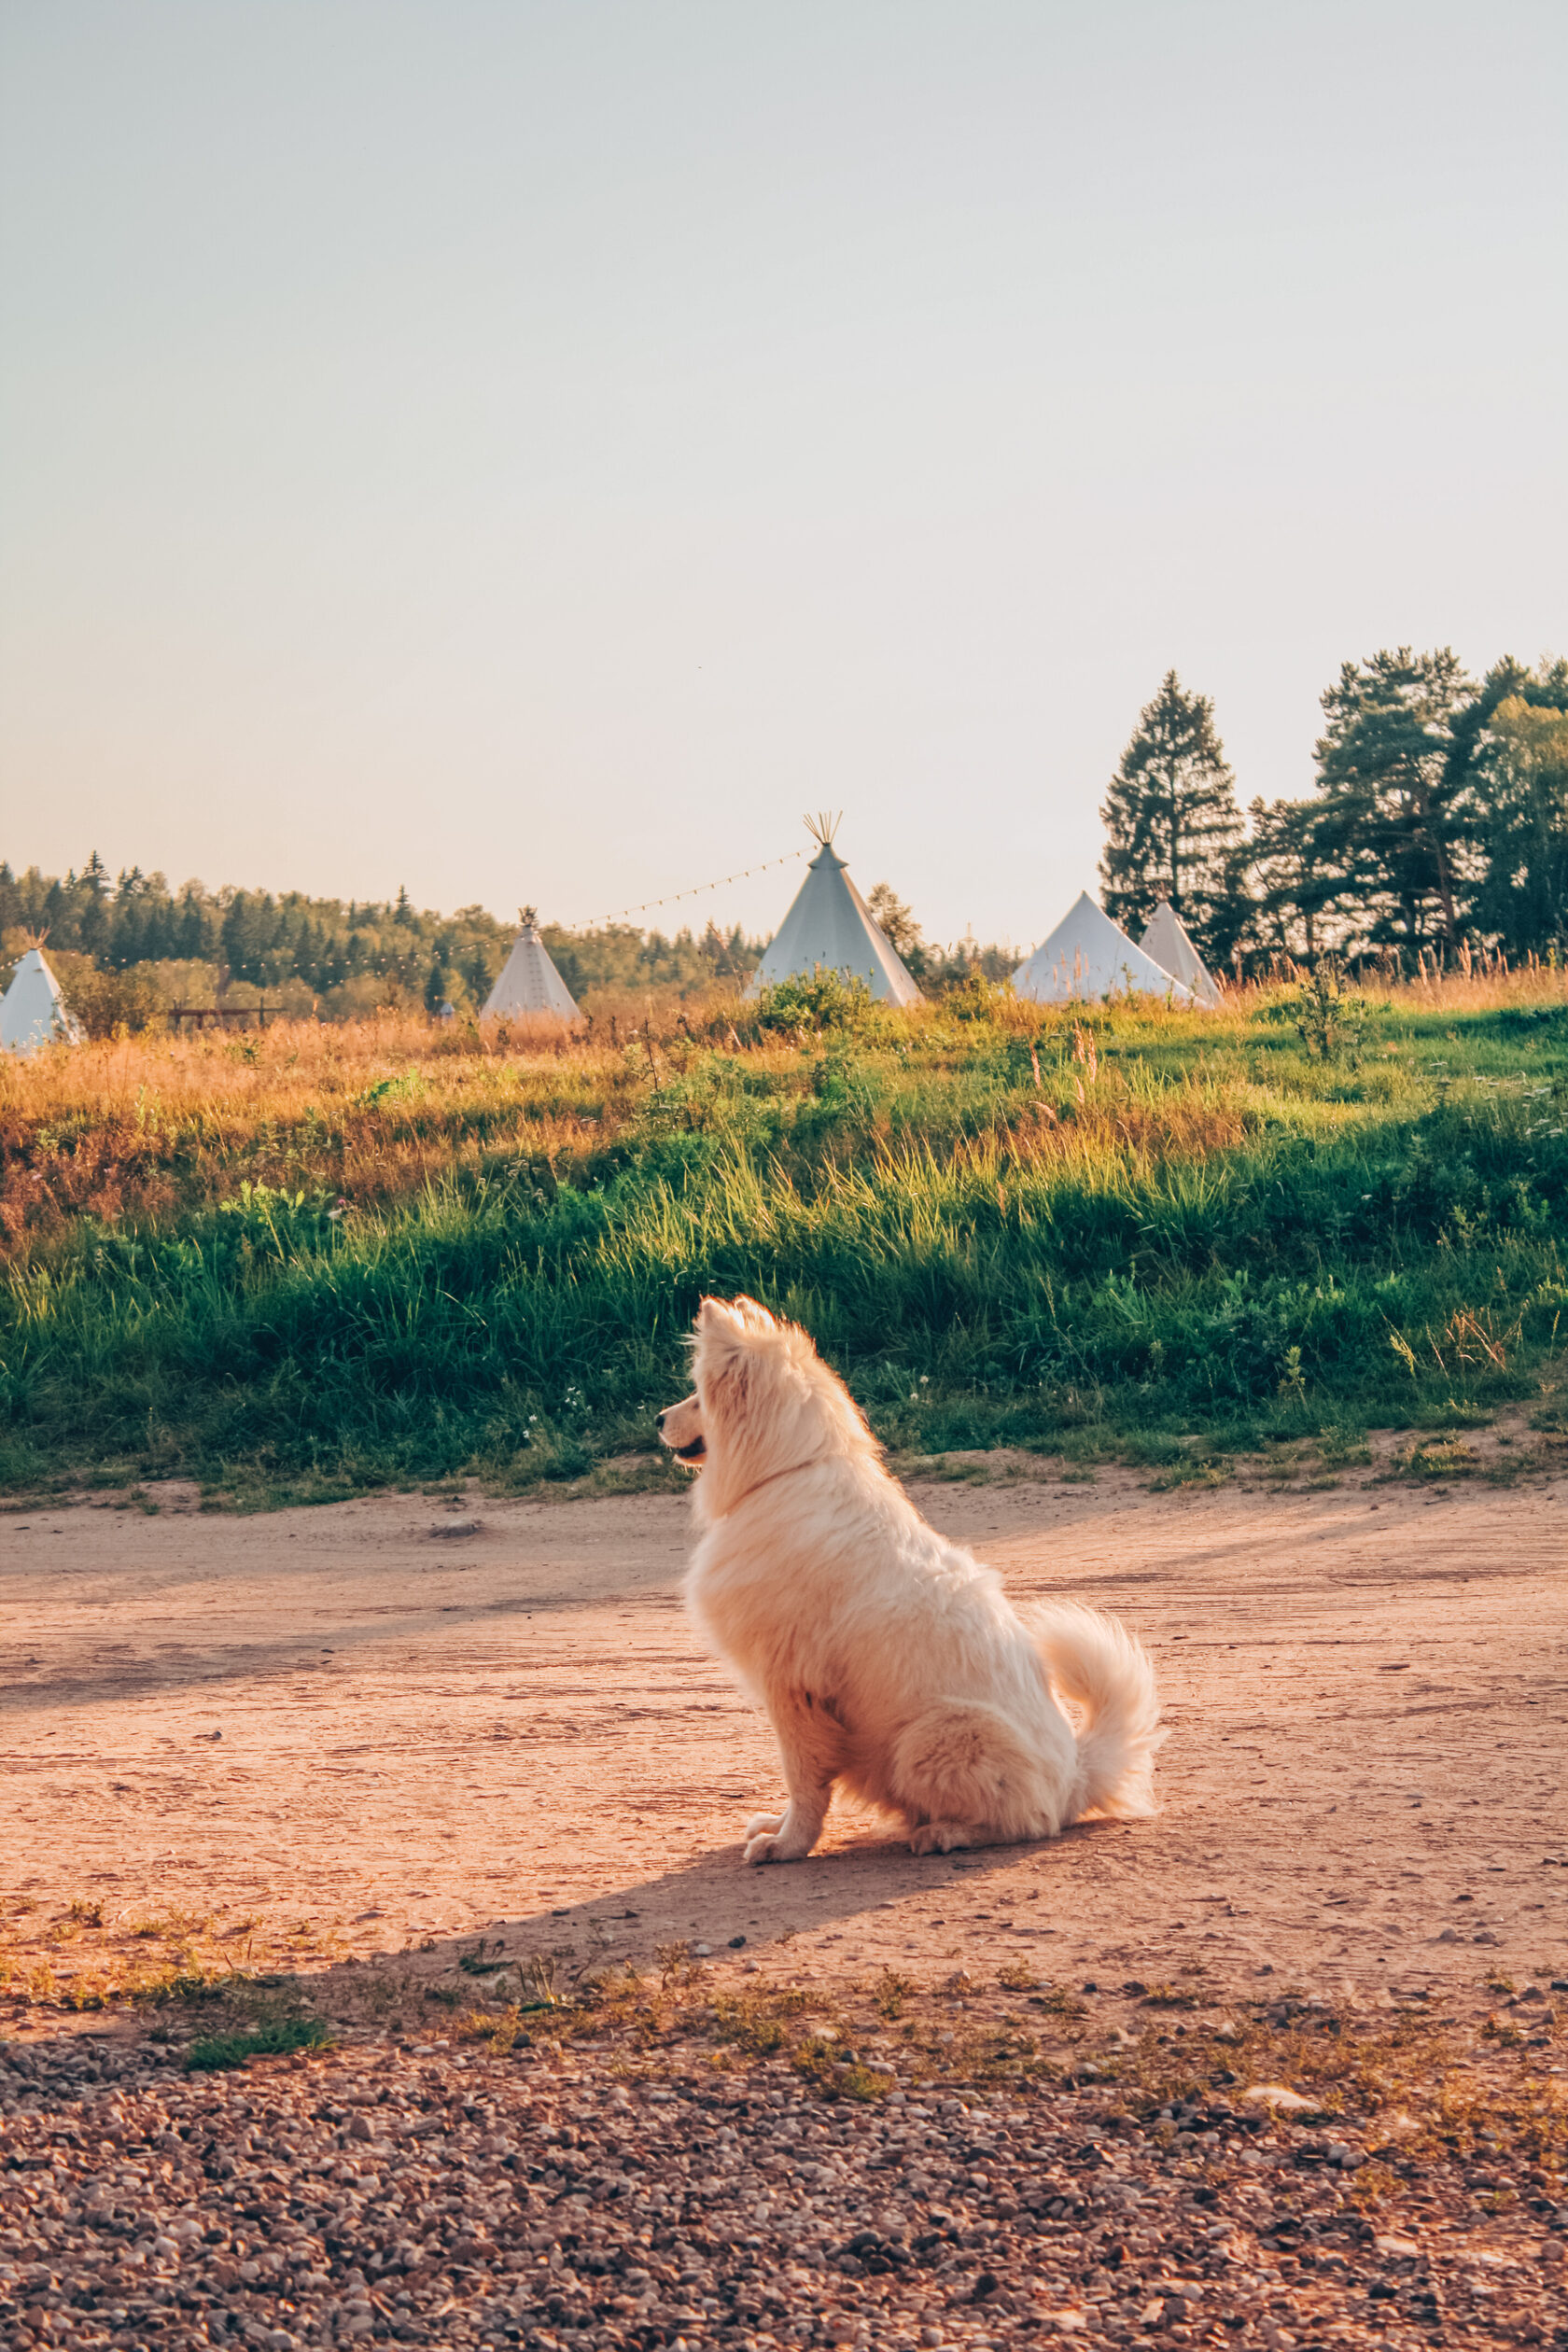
x: 1001, y: 1227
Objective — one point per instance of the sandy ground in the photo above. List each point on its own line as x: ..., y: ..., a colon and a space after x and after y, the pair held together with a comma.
x: 361, y: 1717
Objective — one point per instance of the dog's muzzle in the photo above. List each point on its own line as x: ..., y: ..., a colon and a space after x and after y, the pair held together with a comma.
x: 693, y: 1452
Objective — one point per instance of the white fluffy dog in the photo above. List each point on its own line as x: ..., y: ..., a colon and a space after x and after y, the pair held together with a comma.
x: 890, y: 1662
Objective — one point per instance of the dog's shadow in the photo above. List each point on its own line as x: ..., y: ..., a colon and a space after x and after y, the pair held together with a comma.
x: 715, y: 1908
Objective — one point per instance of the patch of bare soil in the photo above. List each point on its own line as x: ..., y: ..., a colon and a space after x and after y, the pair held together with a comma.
x: 365, y: 1721
x: 447, y: 1772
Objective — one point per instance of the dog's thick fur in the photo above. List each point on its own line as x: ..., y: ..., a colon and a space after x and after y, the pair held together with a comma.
x: 891, y: 1661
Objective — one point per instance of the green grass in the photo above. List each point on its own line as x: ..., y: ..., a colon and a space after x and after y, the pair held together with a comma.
x: 277, y: 2040
x: 1001, y: 1232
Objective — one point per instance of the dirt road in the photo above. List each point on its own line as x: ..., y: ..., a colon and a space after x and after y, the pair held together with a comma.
x: 359, y: 1718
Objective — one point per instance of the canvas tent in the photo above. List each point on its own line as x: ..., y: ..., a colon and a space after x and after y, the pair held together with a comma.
x: 1087, y: 955
x: 33, y: 1011
x: 1169, y: 943
x: 529, y: 981
x: 829, y: 928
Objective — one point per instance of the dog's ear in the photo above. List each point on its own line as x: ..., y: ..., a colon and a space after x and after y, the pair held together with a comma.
x: 724, y: 1364
x: 730, y: 1320
x: 717, y: 1320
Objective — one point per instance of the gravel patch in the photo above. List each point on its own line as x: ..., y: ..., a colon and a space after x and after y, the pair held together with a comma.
x: 432, y: 2195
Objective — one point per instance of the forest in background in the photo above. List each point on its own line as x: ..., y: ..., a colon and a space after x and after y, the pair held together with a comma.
x: 127, y: 949
x: 1437, y: 828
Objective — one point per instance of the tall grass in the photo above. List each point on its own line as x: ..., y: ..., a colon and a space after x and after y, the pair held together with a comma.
x: 317, y: 1258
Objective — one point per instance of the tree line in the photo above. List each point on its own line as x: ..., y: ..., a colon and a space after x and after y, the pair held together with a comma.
x: 1438, y: 820
x: 327, y: 948
x: 127, y: 947
x: 341, y: 956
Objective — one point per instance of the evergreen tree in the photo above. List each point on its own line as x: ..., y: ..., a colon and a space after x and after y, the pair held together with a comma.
x: 1173, y: 826
x: 92, y: 905
x: 1517, y: 766
x: 1295, y: 890
x: 440, y: 979
x: 1389, y: 821
x: 728, y: 956
x: 192, y: 930
x: 57, y: 915
x: 895, y: 919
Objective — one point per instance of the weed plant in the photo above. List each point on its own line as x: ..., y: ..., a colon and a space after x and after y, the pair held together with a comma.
x: 1423, y: 2086
x: 213, y: 2051
x: 312, y: 1260
x: 1425, y: 2077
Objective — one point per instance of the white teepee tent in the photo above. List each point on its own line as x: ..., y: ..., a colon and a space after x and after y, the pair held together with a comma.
x: 33, y: 1011
x: 1087, y: 955
x: 829, y: 928
x: 1169, y: 943
x: 529, y: 981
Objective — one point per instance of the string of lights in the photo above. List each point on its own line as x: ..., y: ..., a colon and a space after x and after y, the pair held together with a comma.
x: 673, y: 898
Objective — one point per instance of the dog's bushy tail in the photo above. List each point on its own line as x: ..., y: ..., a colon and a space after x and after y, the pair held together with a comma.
x: 1103, y: 1674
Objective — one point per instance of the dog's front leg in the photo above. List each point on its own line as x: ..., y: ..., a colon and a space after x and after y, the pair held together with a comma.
x: 808, y: 1750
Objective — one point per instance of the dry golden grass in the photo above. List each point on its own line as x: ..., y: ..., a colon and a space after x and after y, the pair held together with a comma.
x: 138, y: 1130
x: 79, y: 1959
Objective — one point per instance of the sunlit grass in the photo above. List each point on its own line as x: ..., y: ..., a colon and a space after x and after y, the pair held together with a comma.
x: 310, y: 1260
x: 1419, y: 2082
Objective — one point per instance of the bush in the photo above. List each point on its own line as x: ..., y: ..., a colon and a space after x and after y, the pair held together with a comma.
x: 114, y: 1004
x: 1329, y: 1020
x: 828, y: 1000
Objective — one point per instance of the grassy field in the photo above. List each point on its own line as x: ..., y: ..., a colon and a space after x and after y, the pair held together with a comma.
x: 314, y: 1259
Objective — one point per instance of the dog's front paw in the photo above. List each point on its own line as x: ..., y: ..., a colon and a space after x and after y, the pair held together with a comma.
x: 763, y: 1826
x: 938, y: 1837
x: 769, y: 1846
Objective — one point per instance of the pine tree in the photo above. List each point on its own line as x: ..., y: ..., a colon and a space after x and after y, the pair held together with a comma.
x: 1173, y: 826
x: 1516, y: 777
x: 193, y: 933
x: 895, y: 919
x: 1391, y: 819
x: 1296, y: 889
x: 92, y: 906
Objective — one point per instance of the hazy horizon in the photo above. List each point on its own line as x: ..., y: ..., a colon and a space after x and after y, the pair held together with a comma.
x: 534, y: 453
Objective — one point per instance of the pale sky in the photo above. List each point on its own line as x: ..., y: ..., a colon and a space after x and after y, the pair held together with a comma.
x: 537, y: 451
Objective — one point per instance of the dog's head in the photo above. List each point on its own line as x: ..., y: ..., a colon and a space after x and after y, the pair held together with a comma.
x: 764, y: 1403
